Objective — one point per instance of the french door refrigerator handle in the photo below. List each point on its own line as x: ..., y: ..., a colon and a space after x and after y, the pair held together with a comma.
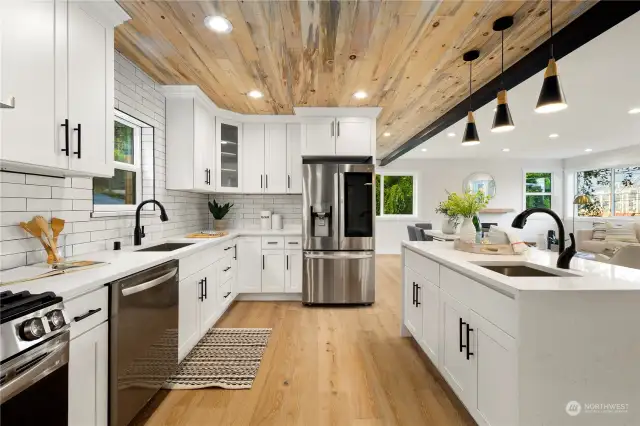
x: 345, y: 255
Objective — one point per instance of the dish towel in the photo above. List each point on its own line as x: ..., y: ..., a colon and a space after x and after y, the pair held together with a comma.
x: 516, y: 242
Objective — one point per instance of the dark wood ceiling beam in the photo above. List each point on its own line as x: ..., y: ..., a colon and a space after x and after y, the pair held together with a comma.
x: 595, y: 21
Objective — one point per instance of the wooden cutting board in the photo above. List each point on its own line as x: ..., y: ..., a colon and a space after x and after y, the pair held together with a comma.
x: 201, y: 235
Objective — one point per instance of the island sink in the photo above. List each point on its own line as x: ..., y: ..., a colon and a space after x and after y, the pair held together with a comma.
x: 520, y: 270
x: 166, y: 247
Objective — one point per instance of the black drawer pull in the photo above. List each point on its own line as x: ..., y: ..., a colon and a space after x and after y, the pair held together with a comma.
x: 272, y: 242
x: 469, y: 330
x: 226, y: 269
x: 79, y: 151
x: 414, y: 294
x: 66, y: 136
x: 88, y: 314
x: 418, y: 288
x: 228, y: 248
x: 293, y: 243
x: 226, y: 295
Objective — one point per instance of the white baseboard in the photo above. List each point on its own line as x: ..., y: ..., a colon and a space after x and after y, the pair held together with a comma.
x: 269, y: 297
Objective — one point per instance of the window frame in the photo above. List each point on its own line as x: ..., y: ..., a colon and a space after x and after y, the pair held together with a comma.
x: 127, y: 120
x: 383, y: 215
x: 612, y: 216
x: 524, y: 186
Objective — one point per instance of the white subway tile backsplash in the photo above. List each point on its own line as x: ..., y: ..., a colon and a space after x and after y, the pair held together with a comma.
x: 19, y: 246
x: 72, y: 193
x: 12, y: 233
x: 78, y: 238
x: 79, y: 249
x: 47, y: 181
x: 83, y: 205
x: 13, y: 260
x: 104, y: 235
x: 13, y: 204
x: 95, y: 225
x: 82, y: 183
x: 11, y: 177
x: 14, y: 218
x: 72, y: 216
x: 34, y: 204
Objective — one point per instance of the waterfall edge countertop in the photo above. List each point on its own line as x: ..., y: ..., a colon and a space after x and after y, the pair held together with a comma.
x: 121, y: 263
x: 588, y: 275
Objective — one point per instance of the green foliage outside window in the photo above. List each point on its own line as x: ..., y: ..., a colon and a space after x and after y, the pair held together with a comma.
x: 397, y: 195
x: 538, y: 183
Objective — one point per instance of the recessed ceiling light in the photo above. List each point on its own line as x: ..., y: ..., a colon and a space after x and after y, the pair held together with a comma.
x: 553, y: 135
x: 451, y: 134
x: 506, y: 150
x: 218, y: 24
x: 255, y: 94
x: 424, y: 150
x: 360, y: 94
x: 588, y: 150
x: 634, y: 111
x: 386, y: 134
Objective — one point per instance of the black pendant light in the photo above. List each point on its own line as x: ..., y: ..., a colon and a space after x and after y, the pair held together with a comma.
x: 502, y: 121
x: 470, y: 132
x: 551, y: 96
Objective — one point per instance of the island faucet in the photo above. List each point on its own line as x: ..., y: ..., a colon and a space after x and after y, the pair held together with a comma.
x: 565, y: 255
x: 138, y: 233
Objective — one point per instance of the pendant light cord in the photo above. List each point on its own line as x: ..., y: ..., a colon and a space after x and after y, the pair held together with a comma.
x: 470, y: 65
x: 551, y: 25
x: 502, y: 72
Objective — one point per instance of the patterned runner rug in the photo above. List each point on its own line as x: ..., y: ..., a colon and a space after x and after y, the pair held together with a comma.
x: 227, y: 358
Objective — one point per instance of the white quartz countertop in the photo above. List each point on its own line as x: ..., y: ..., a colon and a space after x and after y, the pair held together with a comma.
x: 588, y: 274
x: 121, y: 263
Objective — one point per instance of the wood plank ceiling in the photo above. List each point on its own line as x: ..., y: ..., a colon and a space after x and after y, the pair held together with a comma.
x: 405, y: 54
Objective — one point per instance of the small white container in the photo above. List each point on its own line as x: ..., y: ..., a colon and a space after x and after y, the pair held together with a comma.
x: 265, y: 219
x: 541, y: 242
x: 276, y: 221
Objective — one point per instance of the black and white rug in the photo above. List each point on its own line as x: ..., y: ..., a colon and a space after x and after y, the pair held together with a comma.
x: 227, y: 358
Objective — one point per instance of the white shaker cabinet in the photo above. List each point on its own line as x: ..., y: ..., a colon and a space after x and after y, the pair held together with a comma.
x: 188, y: 314
x: 190, y: 143
x: 429, y: 299
x: 229, y: 151
x: 293, y: 271
x: 273, y: 271
x: 253, y: 160
x: 209, y: 301
x: 276, y: 158
x: 353, y: 136
x: 413, y: 317
x: 319, y: 137
x: 294, y: 159
x: 57, y: 61
x: 88, y: 377
x: 249, y: 254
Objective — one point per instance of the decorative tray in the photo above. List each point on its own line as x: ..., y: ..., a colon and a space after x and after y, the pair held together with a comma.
x: 207, y: 234
x: 502, y: 249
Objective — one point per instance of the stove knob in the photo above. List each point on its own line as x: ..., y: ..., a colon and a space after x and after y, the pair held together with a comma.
x: 56, y: 319
x: 32, y: 329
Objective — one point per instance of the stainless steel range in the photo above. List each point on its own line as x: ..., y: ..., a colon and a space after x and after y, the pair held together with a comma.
x: 338, y: 231
x: 34, y: 345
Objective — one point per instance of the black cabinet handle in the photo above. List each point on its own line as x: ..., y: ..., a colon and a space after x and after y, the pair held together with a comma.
x: 226, y: 269
x: 460, y: 324
x: 263, y: 261
x: 66, y: 136
x: 235, y: 252
x: 414, y: 295
x: 469, y: 330
x: 289, y: 181
x: 228, y: 248
x: 338, y: 128
x: 209, y: 176
x: 293, y: 243
x: 332, y: 124
x: 206, y: 289
x: 88, y: 314
x: 260, y: 181
x: 266, y: 181
x: 226, y: 295
x: 418, y: 288
x: 206, y: 176
x: 287, y: 262
x: 272, y: 242
x: 201, y: 284
x: 79, y: 130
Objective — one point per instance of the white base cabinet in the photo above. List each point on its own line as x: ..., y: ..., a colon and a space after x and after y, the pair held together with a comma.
x: 88, y: 377
x: 293, y: 271
x: 273, y: 271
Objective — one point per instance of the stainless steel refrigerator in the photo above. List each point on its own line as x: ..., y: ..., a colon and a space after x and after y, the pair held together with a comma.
x: 338, y: 229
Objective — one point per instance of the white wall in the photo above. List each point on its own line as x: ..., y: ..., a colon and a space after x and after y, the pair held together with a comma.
x: 24, y: 196
x: 435, y: 177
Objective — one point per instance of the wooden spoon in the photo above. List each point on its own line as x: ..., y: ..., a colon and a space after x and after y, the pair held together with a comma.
x: 42, y: 223
x: 35, y: 230
x: 57, y: 225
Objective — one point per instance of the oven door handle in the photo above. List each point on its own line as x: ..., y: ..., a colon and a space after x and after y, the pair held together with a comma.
x: 342, y: 256
x: 149, y: 284
x: 56, y: 354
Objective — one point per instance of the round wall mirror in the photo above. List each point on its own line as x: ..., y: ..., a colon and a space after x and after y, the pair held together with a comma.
x: 480, y: 181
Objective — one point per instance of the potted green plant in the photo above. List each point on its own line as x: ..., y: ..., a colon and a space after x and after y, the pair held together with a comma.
x: 451, y: 220
x: 219, y: 211
x: 468, y: 205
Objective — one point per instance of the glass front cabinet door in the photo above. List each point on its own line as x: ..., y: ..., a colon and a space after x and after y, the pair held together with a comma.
x: 228, y: 151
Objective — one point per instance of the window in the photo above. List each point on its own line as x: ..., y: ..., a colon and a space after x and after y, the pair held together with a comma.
x: 123, y: 191
x: 613, y: 192
x: 538, y: 189
x: 395, y: 195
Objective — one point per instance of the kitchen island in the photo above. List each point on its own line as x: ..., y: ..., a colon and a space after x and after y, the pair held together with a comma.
x: 529, y: 347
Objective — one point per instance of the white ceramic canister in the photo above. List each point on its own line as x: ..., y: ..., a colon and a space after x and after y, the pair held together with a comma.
x: 276, y: 221
x: 265, y: 219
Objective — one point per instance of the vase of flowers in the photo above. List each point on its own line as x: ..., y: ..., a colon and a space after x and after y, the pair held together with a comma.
x: 467, y: 206
x: 219, y: 211
x: 451, y: 220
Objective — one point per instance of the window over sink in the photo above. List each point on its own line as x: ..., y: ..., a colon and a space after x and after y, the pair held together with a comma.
x: 123, y: 191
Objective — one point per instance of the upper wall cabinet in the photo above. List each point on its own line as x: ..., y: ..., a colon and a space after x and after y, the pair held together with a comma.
x: 228, y: 154
x: 272, y: 162
x: 190, y: 127
x: 341, y: 136
x: 57, y: 62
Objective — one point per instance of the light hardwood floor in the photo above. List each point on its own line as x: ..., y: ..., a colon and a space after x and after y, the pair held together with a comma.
x: 324, y: 366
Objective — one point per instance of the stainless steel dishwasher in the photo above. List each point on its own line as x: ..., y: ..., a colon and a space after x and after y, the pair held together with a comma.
x: 143, y: 338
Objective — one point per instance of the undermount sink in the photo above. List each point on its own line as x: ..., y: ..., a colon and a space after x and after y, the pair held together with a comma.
x: 166, y: 247
x: 519, y: 270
